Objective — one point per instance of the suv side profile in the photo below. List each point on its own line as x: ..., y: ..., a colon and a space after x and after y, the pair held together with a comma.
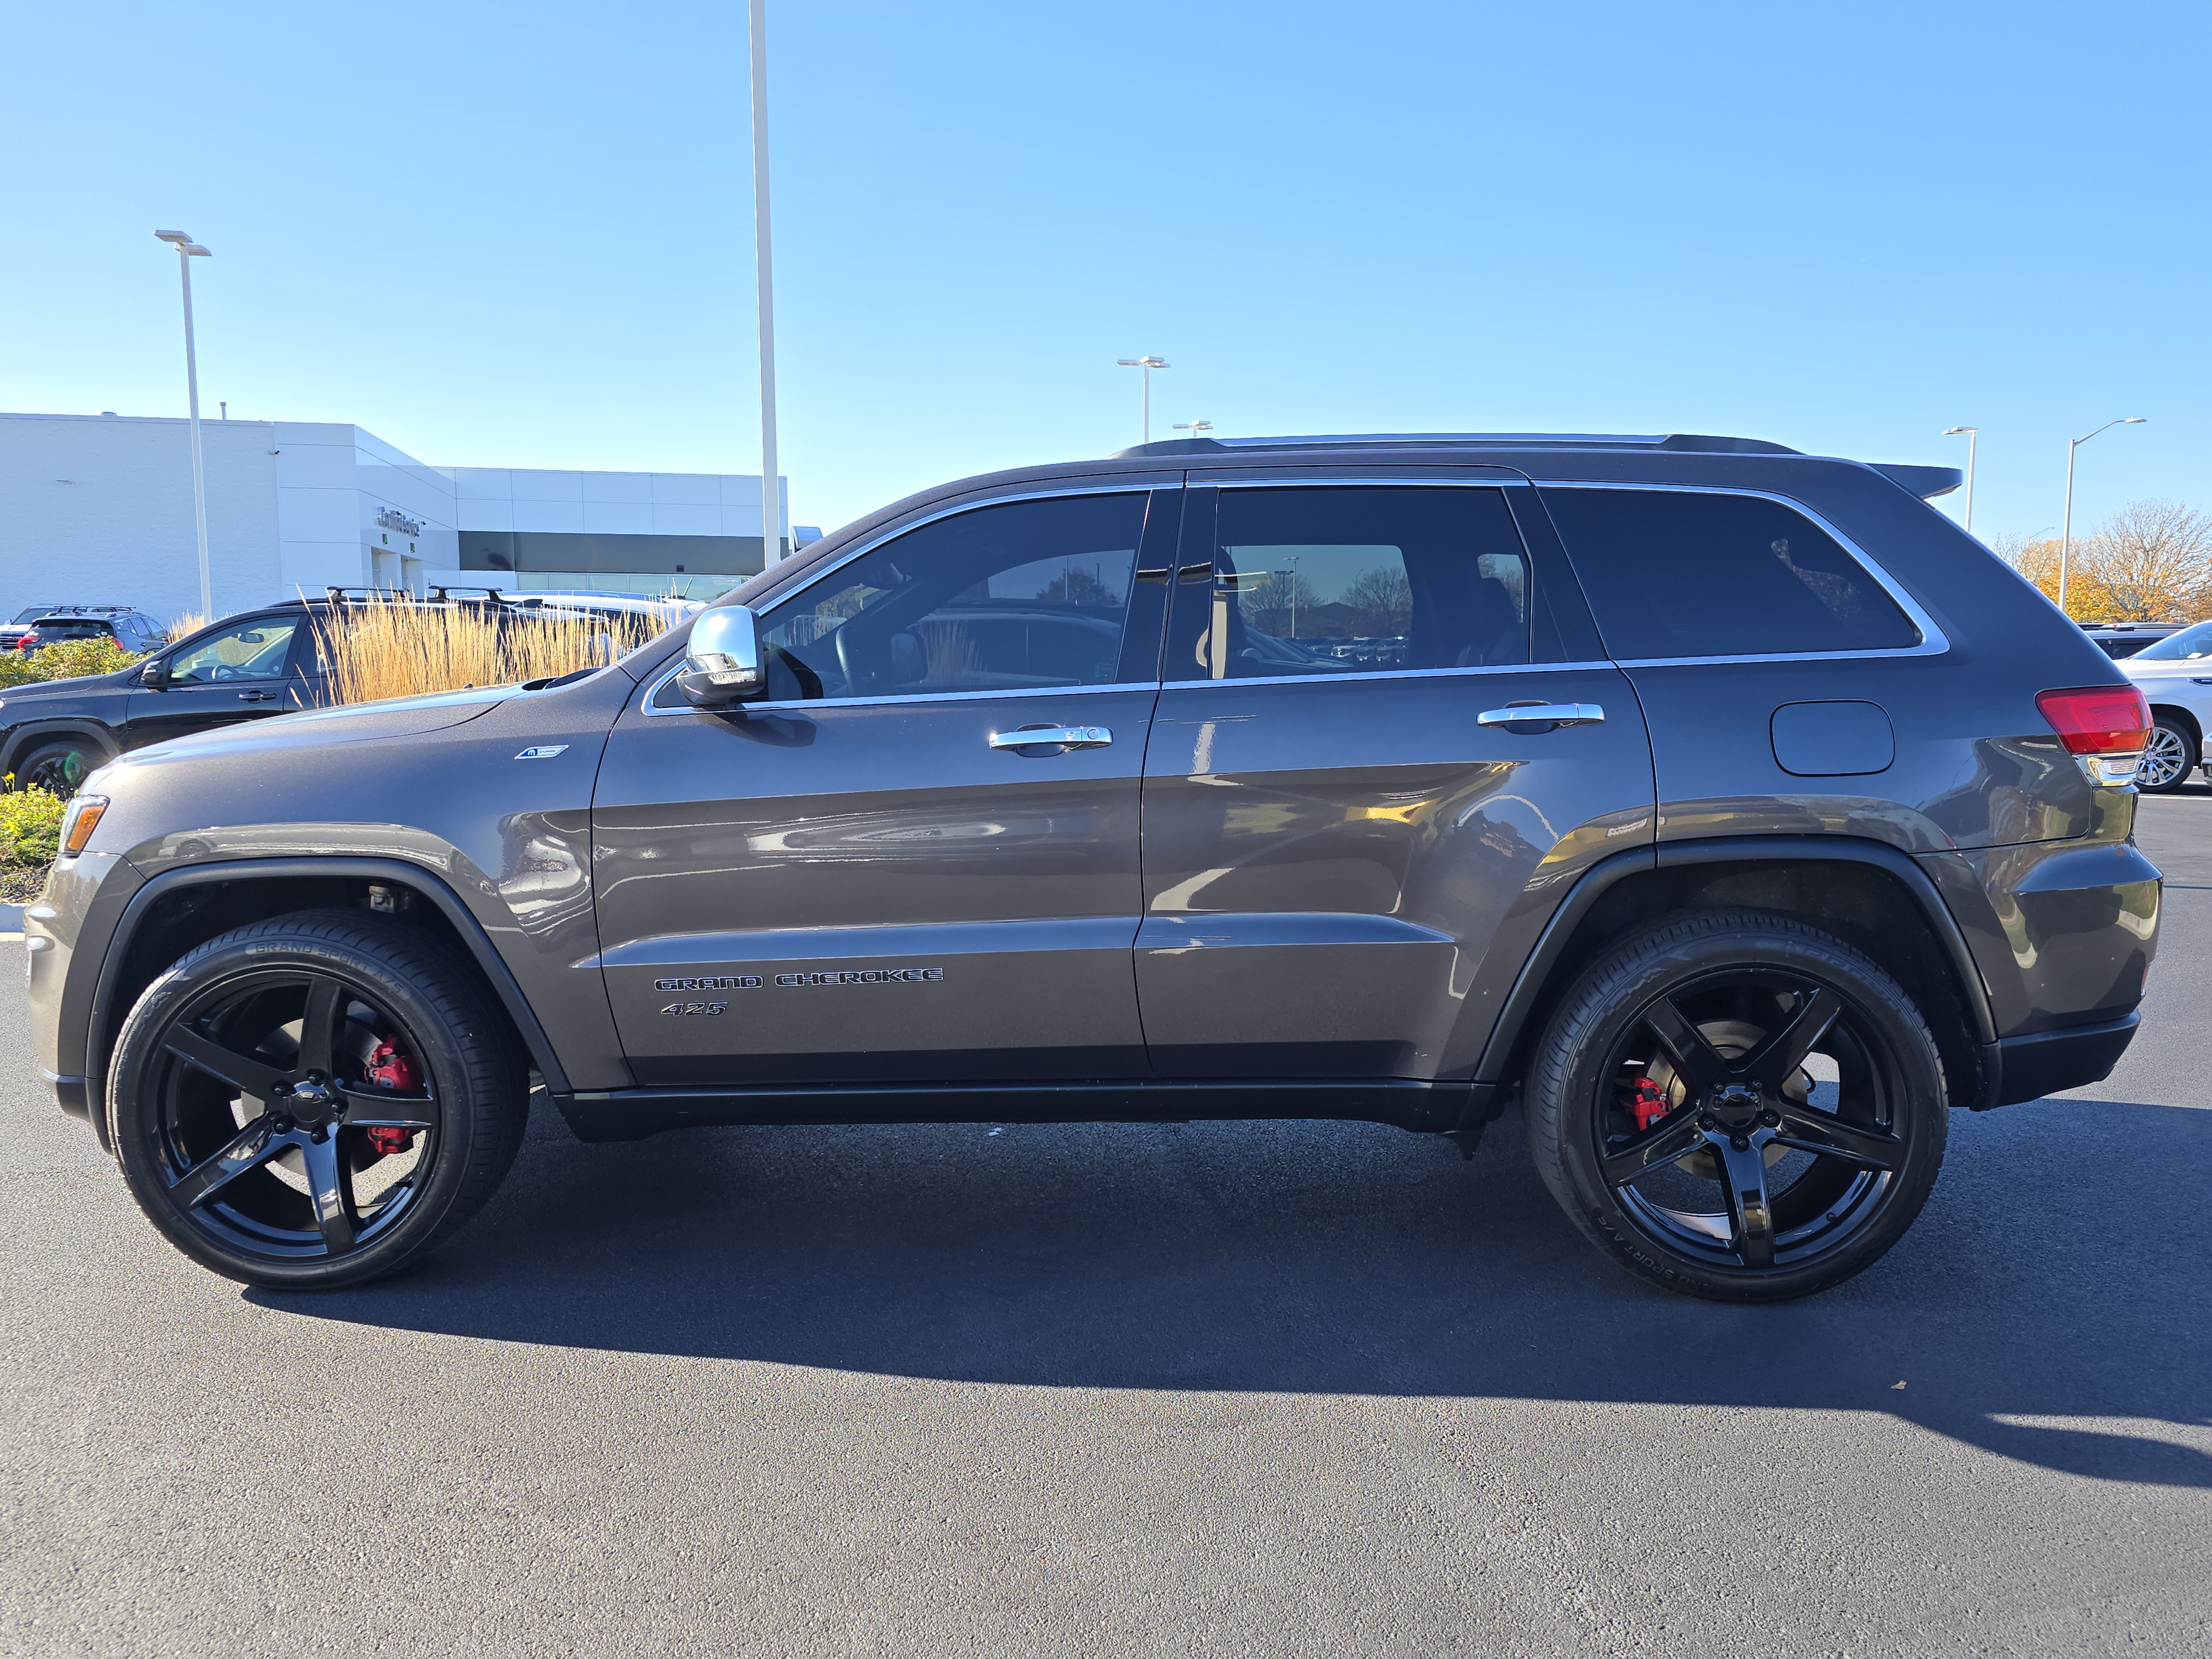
x: 1728, y: 809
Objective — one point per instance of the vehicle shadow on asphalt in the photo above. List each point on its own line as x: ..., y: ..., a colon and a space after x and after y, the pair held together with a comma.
x: 2059, y: 1272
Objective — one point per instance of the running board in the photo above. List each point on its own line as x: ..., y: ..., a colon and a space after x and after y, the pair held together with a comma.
x: 633, y: 1114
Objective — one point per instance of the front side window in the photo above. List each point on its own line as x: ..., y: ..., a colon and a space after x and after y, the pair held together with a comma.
x: 1340, y: 581
x: 249, y: 651
x: 1699, y: 573
x: 1023, y: 596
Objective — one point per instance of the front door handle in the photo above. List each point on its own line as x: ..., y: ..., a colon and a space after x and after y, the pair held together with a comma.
x: 256, y: 697
x: 1065, y: 736
x: 1548, y: 714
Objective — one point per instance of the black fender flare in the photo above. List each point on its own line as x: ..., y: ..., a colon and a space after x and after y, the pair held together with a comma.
x: 1522, y: 1002
x: 31, y: 732
x: 415, y: 876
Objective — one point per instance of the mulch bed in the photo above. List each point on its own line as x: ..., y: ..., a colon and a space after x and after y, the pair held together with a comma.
x: 22, y: 887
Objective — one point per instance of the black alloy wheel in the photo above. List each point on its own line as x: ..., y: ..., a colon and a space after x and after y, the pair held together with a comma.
x: 311, y: 1102
x: 59, y: 768
x: 2169, y: 758
x: 1738, y: 1106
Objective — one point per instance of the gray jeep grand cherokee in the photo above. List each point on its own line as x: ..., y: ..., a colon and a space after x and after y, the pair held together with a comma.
x: 1727, y: 808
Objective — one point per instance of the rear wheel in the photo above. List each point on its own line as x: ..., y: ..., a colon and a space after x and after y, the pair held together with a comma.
x: 1738, y: 1106
x: 2168, y: 757
x: 314, y: 1101
x: 60, y: 767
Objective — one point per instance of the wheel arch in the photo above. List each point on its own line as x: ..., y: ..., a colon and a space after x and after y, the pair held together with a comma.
x: 184, y: 907
x: 2182, y: 715
x: 1871, y: 895
x: 29, y: 735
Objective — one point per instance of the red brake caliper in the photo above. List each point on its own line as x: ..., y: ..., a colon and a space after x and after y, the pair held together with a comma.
x: 1648, y: 1101
x: 388, y: 1068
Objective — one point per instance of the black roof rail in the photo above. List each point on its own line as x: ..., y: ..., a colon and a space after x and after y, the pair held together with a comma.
x: 1695, y: 443
x: 445, y: 595
x: 389, y: 595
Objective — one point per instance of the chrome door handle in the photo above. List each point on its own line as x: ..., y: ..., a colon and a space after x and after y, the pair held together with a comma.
x: 1066, y: 736
x: 1554, y: 713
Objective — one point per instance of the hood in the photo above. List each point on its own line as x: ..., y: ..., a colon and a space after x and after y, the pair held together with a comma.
x: 32, y: 690
x: 401, y: 717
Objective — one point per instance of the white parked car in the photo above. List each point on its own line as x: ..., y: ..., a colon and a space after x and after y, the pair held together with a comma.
x: 2176, y: 677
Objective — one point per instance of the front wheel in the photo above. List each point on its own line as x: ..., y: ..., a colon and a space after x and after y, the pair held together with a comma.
x: 2168, y: 757
x: 315, y: 1101
x: 1738, y: 1106
x: 60, y: 767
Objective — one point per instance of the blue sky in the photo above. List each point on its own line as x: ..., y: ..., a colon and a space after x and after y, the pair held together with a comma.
x: 510, y: 236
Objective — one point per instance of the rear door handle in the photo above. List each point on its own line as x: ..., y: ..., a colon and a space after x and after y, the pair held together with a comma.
x: 256, y: 697
x: 1066, y: 736
x: 1550, y: 713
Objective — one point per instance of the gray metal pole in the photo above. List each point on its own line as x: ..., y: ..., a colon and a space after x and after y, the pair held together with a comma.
x: 192, y: 394
x: 2066, y: 543
x: 1973, y: 439
x: 771, y: 481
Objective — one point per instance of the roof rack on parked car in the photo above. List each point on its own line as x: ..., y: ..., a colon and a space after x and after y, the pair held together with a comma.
x: 390, y: 595
x: 445, y: 595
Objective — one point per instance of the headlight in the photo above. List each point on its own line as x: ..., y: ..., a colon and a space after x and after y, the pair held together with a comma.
x: 78, y: 823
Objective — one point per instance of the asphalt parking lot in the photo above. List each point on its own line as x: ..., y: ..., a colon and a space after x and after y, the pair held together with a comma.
x: 1272, y: 1388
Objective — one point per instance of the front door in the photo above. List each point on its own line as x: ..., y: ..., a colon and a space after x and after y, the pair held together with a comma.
x: 869, y: 875
x: 1349, y: 847
x: 239, y: 673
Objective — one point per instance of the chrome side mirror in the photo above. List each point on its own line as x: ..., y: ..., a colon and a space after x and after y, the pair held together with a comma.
x: 722, y: 666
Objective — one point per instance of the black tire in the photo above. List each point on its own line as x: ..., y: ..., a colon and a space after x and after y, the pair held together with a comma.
x: 1648, y: 1151
x: 2170, y: 757
x: 406, y: 1074
x: 60, y: 766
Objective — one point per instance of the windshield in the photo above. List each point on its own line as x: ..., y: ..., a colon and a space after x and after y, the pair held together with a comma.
x: 2188, y: 646
x: 30, y: 615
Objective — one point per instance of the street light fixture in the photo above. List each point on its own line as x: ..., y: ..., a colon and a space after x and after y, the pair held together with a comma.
x: 2066, y: 545
x: 1972, y: 435
x: 1196, y: 429
x: 187, y: 251
x: 1148, y: 364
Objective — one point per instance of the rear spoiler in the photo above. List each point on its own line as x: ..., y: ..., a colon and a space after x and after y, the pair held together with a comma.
x: 1925, y: 481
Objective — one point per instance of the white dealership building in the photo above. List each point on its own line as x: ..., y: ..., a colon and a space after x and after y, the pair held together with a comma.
x: 97, y: 509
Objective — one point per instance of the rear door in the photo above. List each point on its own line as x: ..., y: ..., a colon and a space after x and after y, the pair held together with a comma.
x: 870, y: 875
x: 1344, y: 860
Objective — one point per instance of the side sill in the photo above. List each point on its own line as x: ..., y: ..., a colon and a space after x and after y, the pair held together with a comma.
x: 2047, y: 1062
x: 635, y: 1114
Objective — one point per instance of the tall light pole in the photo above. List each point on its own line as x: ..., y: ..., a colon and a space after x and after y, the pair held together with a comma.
x: 2066, y: 545
x: 1148, y: 364
x: 1196, y: 429
x: 1972, y: 435
x: 187, y: 251
x: 771, y: 484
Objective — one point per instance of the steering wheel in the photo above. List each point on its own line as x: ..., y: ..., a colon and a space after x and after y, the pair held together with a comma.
x: 843, y: 640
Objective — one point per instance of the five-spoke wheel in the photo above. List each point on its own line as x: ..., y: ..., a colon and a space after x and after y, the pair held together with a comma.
x: 1738, y: 1106
x: 311, y: 1101
x: 2168, y: 757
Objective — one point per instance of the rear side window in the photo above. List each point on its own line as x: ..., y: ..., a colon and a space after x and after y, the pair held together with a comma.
x: 1690, y: 573
x: 1322, y: 580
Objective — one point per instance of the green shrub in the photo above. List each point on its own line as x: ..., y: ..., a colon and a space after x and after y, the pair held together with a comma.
x: 30, y: 826
x: 69, y: 660
x: 17, y: 669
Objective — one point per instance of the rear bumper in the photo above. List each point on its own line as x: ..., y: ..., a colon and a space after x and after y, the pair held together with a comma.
x: 2023, y: 1068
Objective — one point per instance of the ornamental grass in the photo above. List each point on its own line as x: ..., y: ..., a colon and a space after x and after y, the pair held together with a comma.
x: 382, y: 648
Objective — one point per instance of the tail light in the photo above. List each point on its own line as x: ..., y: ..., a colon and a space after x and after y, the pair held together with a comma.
x: 2105, y: 727
x: 26, y: 641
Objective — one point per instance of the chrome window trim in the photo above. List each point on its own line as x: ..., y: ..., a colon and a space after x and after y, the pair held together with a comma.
x: 1385, y: 674
x: 801, y: 704
x: 1933, y: 641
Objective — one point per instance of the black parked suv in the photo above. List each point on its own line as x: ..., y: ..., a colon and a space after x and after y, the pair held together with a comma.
x: 1728, y: 809
x: 246, y: 667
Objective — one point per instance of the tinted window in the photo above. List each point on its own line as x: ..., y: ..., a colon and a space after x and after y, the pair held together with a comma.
x: 71, y: 628
x: 246, y: 651
x: 1340, y: 580
x: 1019, y: 597
x: 1687, y: 573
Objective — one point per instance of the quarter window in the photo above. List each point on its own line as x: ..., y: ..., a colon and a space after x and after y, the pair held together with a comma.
x: 1019, y: 597
x: 1694, y: 573
x: 1328, y: 580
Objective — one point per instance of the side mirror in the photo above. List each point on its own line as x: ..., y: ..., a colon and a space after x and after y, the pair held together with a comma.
x: 723, y: 664
x: 155, y: 674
